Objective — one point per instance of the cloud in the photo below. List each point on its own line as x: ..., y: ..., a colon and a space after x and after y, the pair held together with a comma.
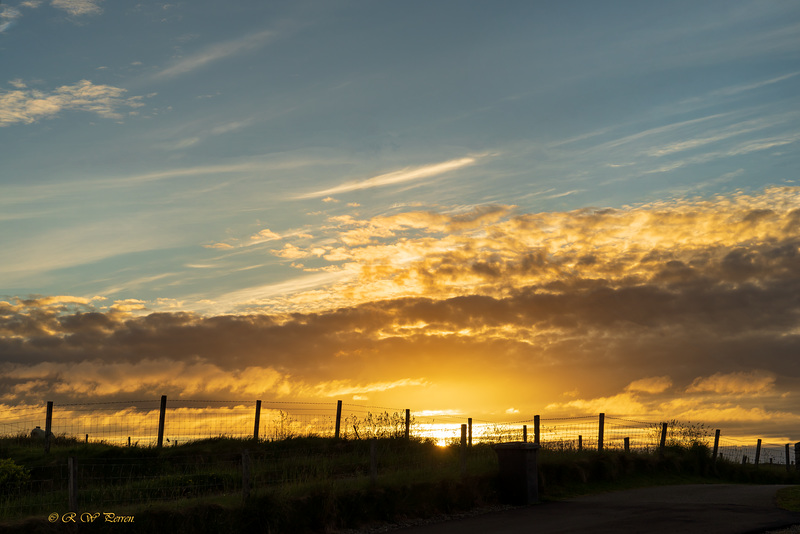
x: 219, y: 246
x: 680, y: 309
x: 217, y: 52
x: 395, y: 177
x: 26, y: 106
x: 751, y: 382
x: 653, y: 384
x: 8, y: 17
x: 78, y: 7
x: 265, y: 235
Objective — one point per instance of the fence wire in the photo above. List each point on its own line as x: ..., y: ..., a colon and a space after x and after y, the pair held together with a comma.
x: 136, y: 423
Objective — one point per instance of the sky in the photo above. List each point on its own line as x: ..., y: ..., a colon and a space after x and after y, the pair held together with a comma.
x: 481, y: 208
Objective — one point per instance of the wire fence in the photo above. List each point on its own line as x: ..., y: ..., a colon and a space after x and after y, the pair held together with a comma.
x: 138, y: 423
x: 126, y: 482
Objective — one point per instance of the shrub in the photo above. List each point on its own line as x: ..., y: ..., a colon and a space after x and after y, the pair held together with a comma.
x: 12, y: 476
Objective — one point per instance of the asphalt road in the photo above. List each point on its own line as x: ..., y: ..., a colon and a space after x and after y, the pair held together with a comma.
x: 695, y: 508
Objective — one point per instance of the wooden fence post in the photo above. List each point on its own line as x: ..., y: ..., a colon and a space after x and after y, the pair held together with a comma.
x: 258, y: 420
x: 525, y: 433
x: 716, y: 446
x: 787, y: 457
x: 373, y: 461
x: 162, y: 416
x: 245, y: 474
x: 758, y: 452
x: 469, y: 432
x: 580, y: 442
x: 48, y: 426
x: 536, y: 430
x: 463, y: 450
x: 663, y: 443
x: 338, y: 418
x: 408, y: 423
x: 627, y: 444
x: 600, y: 431
x: 72, y: 467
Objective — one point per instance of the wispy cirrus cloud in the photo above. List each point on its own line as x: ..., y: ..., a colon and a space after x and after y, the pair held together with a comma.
x: 25, y: 105
x: 216, y: 52
x: 79, y: 7
x: 395, y: 177
x: 8, y: 17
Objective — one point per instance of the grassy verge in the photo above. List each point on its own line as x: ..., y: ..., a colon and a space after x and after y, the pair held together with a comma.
x: 308, y: 485
x: 789, y: 499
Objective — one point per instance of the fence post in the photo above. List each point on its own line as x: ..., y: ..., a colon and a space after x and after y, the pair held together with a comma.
x: 525, y: 433
x: 716, y: 446
x: 797, y: 456
x: 162, y: 416
x: 627, y: 444
x: 72, y: 467
x: 463, y: 450
x: 787, y: 457
x: 258, y: 420
x: 338, y: 418
x: 48, y: 426
x: 245, y: 474
x: 373, y: 461
x: 580, y: 442
x: 663, y: 443
x: 469, y: 432
x: 600, y: 430
x: 408, y: 423
x: 536, y: 429
x: 758, y: 451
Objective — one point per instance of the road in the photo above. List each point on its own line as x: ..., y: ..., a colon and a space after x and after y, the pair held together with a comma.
x: 695, y: 508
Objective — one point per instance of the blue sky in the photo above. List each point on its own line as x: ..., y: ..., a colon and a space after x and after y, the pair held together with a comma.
x: 135, y: 134
x: 242, y: 159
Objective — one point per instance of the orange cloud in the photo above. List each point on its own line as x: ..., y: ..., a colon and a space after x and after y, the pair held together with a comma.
x: 653, y: 384
x: 751, y: 382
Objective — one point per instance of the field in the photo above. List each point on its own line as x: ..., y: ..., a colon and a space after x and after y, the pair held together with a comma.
x: 309, y: 484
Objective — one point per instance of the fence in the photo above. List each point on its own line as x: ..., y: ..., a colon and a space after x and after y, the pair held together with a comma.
x: 125, y: 482
x: 165, y: 422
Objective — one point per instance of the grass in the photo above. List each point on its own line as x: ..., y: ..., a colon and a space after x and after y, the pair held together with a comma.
x: 789, y: 499
x: 316, y: 484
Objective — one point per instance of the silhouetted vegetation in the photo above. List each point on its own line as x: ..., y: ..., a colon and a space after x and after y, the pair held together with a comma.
x: 314, y: 484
